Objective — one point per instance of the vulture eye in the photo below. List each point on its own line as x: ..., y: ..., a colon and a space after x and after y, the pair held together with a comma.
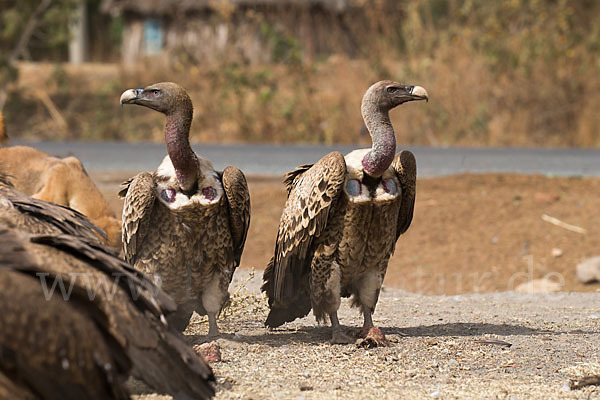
x: 155, y: 92
x: 392, y: 89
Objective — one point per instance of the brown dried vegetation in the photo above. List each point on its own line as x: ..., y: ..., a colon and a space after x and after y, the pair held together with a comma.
x: 499, y: 73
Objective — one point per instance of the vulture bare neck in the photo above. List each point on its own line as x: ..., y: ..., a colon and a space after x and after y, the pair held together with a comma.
x: 185, y: 162
x: 383, y: 148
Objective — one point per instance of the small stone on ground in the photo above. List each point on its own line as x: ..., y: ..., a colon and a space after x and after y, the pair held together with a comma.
x: 588, y: 270
x: 210, y: 351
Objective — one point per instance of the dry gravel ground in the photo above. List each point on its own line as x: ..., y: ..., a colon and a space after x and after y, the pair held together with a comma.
x: 484, y: 346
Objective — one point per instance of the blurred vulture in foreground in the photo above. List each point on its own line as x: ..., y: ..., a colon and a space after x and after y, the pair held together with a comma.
x: 185, y: 224
x: 75, y: 320
x: 341, y: 222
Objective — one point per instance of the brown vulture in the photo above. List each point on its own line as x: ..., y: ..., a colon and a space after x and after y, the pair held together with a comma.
x: 341, y: 222
x: 185, y: 224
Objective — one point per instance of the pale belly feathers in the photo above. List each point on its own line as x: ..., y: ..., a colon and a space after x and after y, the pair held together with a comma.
x: 368, y: 232
x: 210, y: 189
x: 388, y: 189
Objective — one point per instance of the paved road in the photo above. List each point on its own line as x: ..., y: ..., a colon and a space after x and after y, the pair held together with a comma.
x: 276, y: 160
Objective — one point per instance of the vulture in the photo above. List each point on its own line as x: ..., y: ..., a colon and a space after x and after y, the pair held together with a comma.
x: 76, y: 320
x: 184, y: 224
x: 341, y: 221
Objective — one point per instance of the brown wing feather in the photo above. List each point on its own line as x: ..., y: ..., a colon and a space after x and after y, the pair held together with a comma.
x: 127, y: 309
x: 50, y: 346
x: 13, y: 390
x: 405, y: 166
x: 238, y: 199
x: 140, y: 288
x: 134, y: 309
x: 139, y: 193
x: 290, y: 177
x: 312, y: 191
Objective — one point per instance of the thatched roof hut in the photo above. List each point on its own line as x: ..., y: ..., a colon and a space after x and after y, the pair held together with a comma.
x: 248, y: 31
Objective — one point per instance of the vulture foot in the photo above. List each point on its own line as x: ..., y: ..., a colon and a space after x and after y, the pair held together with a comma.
x: 373, y: 337
x: 339, y: 337
x: 213, y: 333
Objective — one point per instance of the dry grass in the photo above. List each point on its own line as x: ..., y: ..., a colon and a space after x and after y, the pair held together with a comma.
x: 243, y: 301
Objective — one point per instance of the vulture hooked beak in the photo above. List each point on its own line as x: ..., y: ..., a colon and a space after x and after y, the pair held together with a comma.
x: 130, y: 96
x: 419, y: 93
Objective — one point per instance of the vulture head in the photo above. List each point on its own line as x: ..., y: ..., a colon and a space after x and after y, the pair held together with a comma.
x: 378, y: 100
x: 165, y: 97
x: 389, y: 94
x: 172, y: 100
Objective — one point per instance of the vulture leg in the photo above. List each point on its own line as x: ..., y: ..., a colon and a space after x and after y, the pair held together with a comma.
x: 212, y: 301
x: 368, y: 318
x: 367, y: 296
x: 181, y: 318
x: 213, y: 328
x: 337, y: 334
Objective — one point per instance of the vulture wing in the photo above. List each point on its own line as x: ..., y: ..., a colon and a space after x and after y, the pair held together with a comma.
x: 238, y: 199
x: 405, y: 166
x: 49, y: 346
x: 13, y: 390
x: 139, y: 193
x: 312, y: 190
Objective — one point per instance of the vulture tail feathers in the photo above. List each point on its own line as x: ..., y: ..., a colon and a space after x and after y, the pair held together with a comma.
x: 280, y: 313
x: 297, y: 303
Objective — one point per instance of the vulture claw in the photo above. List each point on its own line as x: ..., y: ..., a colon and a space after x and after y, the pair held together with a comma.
x: 373, y: 338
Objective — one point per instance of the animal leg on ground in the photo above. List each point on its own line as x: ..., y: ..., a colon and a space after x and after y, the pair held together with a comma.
x: 337, y: 334
x: 213, y: 328
x: 325, y: 281
x: 368, y: 319
x: 213, y: 298
x: 181, y: 318
x: 371, y: 335
x: 368, y: 294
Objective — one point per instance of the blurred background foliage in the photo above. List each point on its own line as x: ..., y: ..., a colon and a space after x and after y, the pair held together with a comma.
x: 499, y: 73
x: 51, y: 33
